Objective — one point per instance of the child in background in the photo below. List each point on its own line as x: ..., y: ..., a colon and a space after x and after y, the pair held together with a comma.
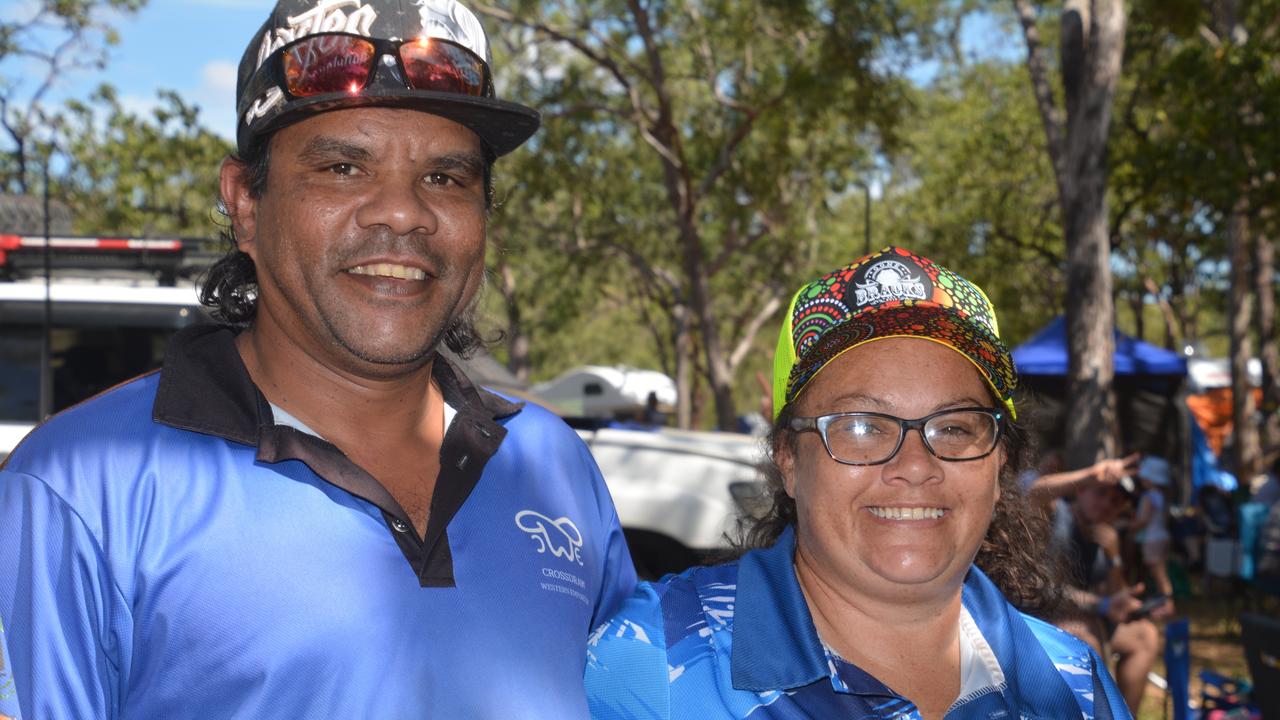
x: 1152, y: 524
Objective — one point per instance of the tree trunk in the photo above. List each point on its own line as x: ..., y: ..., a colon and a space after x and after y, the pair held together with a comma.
x: 1268, y: 351
x: 516, y: 335
x: 682, y: 341
x: 1091, y: 54
x: 1244, y: 448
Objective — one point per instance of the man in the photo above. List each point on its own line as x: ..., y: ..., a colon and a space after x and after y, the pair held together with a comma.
x: 1109, y: 618
x: 319, y: 516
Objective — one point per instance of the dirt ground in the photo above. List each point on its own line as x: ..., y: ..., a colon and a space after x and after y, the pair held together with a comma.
x: 1215, y: 641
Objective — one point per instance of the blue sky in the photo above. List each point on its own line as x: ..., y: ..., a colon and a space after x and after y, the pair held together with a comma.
x: 194, y: 46
x: 190, y: 46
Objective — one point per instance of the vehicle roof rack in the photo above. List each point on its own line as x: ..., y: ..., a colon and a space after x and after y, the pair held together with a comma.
x: 167, y: 259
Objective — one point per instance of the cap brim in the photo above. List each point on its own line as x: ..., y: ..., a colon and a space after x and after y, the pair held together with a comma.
x: 926, y: 321
x: 503, y: 126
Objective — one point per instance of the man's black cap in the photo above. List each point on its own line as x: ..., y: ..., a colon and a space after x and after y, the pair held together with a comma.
x: 263, y: 108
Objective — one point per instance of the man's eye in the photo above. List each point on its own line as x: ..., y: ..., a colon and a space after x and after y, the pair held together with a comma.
x: 440, y: 179
x: 342, y: 169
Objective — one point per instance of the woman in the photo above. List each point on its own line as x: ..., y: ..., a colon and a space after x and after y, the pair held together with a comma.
x: 895, y: 464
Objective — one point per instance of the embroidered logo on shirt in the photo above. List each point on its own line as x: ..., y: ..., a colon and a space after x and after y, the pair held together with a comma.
x: 560, y: 536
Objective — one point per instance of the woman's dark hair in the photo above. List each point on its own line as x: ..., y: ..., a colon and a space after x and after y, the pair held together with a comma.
x: 1014, y: 553
x: 230, y: 286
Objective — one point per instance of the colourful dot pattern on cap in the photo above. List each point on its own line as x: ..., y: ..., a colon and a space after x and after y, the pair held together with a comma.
x: 957, y: 313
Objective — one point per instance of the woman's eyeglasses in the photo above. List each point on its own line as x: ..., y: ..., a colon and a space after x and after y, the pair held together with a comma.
x: 868, y: 438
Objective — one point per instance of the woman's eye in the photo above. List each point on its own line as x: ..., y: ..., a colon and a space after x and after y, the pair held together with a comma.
x: 955, y: 430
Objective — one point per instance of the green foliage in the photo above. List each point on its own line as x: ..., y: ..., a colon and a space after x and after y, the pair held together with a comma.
x: 135, y: 175
x: 975, y: 191
x: 1195, y: 133
x: 38, y: 46
x: 692, y: 142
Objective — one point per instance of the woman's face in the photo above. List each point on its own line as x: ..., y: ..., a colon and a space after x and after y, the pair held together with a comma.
x: 848, y: 534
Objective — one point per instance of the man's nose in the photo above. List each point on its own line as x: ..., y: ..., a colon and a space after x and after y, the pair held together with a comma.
x: 401, y: 205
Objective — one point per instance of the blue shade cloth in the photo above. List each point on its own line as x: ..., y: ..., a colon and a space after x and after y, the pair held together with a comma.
x: 1177, y: 663
x: 154, y: 572
x: 737, y: 641
x: 1046, y: 354
x: 1204, y: 465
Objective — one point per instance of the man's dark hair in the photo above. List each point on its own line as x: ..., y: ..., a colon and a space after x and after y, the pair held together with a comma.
x: 230, y: 287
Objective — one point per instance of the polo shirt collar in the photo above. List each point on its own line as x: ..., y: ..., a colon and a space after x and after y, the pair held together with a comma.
x: 205, y: 388
x: 776, y: 646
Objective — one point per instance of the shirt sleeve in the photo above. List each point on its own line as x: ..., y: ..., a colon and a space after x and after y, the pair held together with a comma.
x: 1108, y: 703
x: 627, y: 675
x: 64, y: 623
x: 618, y: 580
x: 619, y: 573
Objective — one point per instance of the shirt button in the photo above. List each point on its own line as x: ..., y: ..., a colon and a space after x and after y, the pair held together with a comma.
x: 399, y: 525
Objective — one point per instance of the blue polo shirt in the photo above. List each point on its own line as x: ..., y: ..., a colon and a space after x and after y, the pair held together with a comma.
x: 169, y: 551
x: 737, y: 641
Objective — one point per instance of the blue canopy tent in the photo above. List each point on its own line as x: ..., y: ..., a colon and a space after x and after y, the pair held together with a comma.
x: 1046, y: 354
x: 1149, y: 387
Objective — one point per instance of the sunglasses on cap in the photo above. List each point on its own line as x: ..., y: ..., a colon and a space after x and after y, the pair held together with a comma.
x: 326, y: 63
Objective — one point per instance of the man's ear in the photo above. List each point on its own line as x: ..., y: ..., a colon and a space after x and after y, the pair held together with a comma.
x: 241, y: 205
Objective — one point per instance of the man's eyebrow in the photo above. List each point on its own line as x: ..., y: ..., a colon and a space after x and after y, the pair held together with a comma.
x: 327, y: 149
x: 463, y: 162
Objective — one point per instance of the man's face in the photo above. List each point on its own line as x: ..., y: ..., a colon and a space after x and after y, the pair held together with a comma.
x: 1100, y: 503
x: 369, y: 238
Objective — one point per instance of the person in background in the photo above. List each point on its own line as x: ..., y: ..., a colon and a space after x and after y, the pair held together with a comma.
x: 886, y: 580
x: 1151, y: 523
x: 309, y: 512
x: 1052, y: 481
x: 1107, y: 607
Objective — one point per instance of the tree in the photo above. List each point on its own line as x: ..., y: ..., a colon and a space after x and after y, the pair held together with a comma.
x: 40, y: 46
x: 1201, y: 171
x: 731, y: 127
x: 974, y: 181
x: 1091, y: 51
x: 133, y: 175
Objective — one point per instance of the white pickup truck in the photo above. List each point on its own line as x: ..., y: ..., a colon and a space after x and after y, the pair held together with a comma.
x: 679, y: 494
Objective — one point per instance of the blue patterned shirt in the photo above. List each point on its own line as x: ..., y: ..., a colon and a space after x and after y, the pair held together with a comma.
x: 671, y: 652
x: 8, y: 691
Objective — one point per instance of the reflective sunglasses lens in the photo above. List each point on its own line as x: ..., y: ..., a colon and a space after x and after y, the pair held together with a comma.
x: 442, y: 67
x: 327, y: 64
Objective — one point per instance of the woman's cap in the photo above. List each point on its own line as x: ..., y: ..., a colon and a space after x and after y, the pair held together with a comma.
x: 1154, y: 470
x: 262, y: 108
x: 891, y: 293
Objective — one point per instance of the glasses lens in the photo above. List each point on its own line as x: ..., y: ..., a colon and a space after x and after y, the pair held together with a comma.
x: 862, y: 438
x: 442, y: 67
x: 322, y: 64
x: 961, y: 435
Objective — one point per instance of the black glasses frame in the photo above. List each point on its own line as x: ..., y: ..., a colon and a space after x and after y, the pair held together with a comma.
x: 272, y: 74
x: 820, y: 423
